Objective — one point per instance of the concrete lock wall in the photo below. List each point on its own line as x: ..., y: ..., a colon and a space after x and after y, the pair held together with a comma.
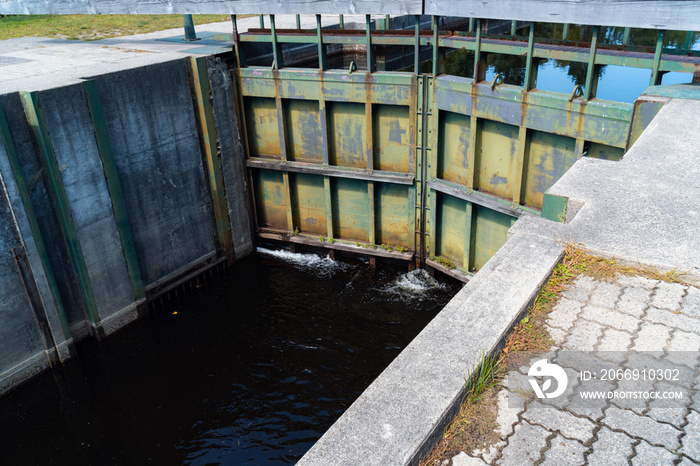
x: 106, y: 202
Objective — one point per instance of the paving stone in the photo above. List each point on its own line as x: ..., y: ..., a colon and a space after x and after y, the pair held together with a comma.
x: 686, y: 462
x: 605, y: 295
x: 691, y: 303
x: 590, y: 408
x: 576, y: 293
x: 610, y: 318
x: 557, y: 334
x: 564, y: 451
x: 642, y: 427
x: 554, y: 420
x: 563, y: 399
x: 672, y: 411
x: 652, y: 337
x: 584, y: 336
x: 507, y: 416
x: 648, y: 455
x: 685, y: 342
x: 668, y: 296
x: 691, y: 440
x: 564, y: 314
x: 660, y: 316
x: 525, y: 445
x: 611, y: 448
x: 664, y: 369
x: 585, y: 282
x: 634, y: 281
x: 492, y: 453
x: 633, y: 301
x: 634, y: 400
x: 465, y: 460
x: 616, y: 341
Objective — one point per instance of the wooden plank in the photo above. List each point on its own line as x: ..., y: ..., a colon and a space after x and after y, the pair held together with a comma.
x: 338, y: 172
x: 248, y: 7
x: 648, y: 14
x: 337, y: 245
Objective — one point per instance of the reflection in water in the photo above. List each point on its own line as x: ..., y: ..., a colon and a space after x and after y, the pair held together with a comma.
x: 252, y: 370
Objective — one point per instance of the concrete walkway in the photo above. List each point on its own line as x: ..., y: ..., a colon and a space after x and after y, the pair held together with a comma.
x: 629, y: 323
x: 38, y: 63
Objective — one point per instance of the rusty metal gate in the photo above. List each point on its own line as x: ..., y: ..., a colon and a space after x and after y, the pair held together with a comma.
x: 430, y: 168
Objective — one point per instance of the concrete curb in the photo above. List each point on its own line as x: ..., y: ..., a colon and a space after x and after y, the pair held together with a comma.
x: 398, y: 418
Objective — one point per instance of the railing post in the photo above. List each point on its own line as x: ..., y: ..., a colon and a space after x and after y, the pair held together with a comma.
x: 436, y: 39
x: 513, y: 27
x: 416, y: 60
x: 276, y: 49
x: 240, y: 58
x: 530, y: 63
x: 591, y: 72
x: 190, y: 33
x: 655, y: 72
x: 322, y: 60
x: 342, y: 22
x: 565, y: 32
x: 368, y: 27
x: 298, y: 19
x: 262, y: 22
x: 626, y: 36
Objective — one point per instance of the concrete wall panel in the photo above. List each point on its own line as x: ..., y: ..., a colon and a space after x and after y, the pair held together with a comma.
x: 68, y: 120
x: 35, y: 177
x: 232, y: 155
x: 150, y: 119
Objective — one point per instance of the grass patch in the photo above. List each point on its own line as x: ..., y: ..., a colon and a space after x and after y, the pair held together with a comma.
x: 474, y: 425
x: 93, y: 27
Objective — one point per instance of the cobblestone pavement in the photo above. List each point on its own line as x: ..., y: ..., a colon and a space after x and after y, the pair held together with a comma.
x: 632, y: 322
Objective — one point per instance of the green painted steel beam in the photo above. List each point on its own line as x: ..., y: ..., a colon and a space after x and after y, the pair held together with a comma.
x: 212, y: 158
x: 656, y: 66
x: 37, y: 122
x: 322, y: 58
x: 529, y: 82
x: 276, y: 47
x: 109, y: 166
x: 332, y: 171
x: 591, y: 72
x: 368, y: 43
x: 416, y: 46
x: 25, y: 196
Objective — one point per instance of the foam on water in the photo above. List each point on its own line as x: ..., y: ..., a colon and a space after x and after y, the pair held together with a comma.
x: 323, y: 266
x: 416, y: 284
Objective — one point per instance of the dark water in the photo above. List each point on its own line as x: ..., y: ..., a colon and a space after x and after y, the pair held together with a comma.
x: 253, y: 370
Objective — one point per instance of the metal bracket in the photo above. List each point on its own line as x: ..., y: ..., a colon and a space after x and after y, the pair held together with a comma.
x: 352, y: 67
x: 577, y: 92
x: 498, y: 79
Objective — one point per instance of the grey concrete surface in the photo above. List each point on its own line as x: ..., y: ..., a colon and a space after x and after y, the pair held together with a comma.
x: 39, y: 63
x: 643, y: 209
x: 73, y: 140
x: 37, y: 184
x: 407, y: 406
x: 622, y: 431
x: 151, y: 123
